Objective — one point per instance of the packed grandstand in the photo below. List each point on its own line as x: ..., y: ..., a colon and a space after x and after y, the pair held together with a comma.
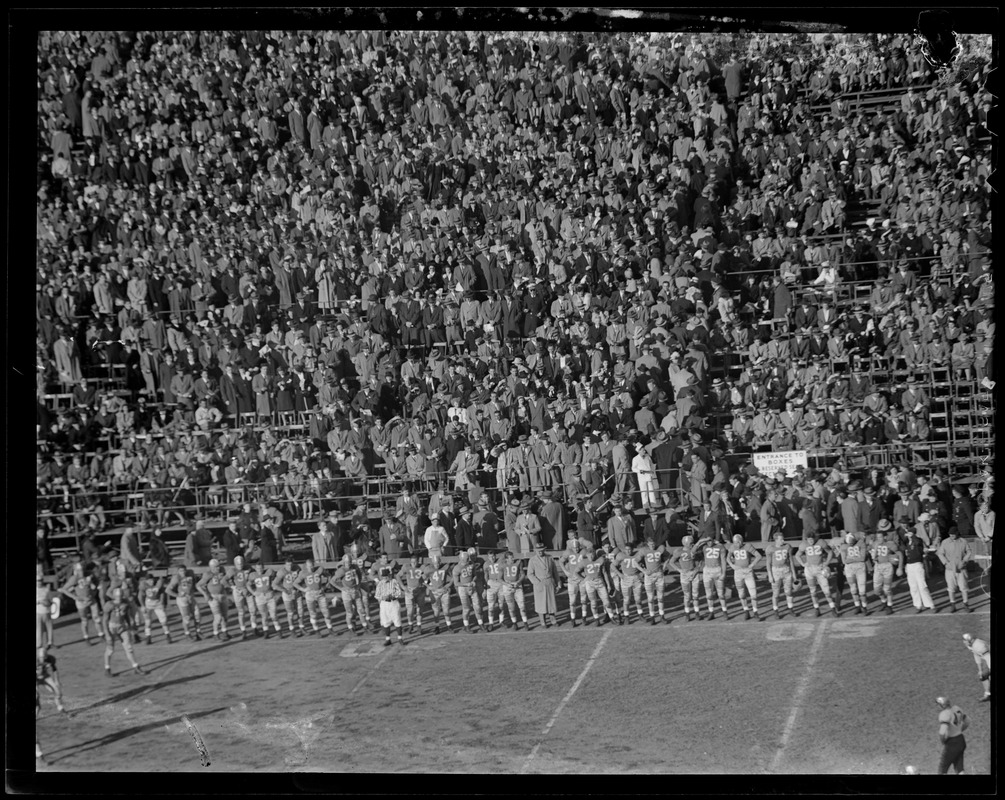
x: 516, y: 286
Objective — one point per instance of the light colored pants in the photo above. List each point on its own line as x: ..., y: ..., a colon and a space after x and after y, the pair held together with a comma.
x: 919, y: 587
x: 649, y: 488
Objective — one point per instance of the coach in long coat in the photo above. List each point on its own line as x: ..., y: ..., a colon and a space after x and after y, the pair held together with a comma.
x: 543, y: 573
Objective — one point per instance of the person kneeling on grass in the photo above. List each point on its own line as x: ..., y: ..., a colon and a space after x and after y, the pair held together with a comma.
x: 389, y: 592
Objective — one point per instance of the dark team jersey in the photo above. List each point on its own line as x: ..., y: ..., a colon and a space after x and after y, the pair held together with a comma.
x: 314, y: 581
x: 437, y: 577
x: 652, y: 560
x: 778, y: 556
x: 884, y: 553
x: 816, y: 554
x: 466, y: 574
x: 413, y: 577
x: 853, y: 553
x: 626, y: 564
x: 494, y: 572
x: 261, y: 584
x: 593, y: 572
x: 686, y: 561
x: 214, y: 582
x: 712, y: 552
x: 513, y: 573
x: 239, y: 581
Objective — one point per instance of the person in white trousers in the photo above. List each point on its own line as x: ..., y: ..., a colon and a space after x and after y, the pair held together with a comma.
x: 645, y: 473
x: 914, y: 554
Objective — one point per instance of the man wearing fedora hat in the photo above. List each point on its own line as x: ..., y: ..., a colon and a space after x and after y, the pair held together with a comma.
x: 527, y: 526
x: 544, y: 575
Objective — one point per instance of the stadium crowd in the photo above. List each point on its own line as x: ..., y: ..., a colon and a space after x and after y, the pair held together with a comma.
x: 498, y: 271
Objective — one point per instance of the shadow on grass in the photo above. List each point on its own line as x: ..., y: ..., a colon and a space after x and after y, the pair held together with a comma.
x: 137, y: 690
x: 111, y: 738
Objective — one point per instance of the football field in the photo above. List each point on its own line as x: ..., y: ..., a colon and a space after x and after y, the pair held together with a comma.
x: 851, y: 695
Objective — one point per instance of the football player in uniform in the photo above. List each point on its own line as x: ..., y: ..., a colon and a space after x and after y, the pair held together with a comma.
x: 265, y: 598
x: 119, y: 624
x: 349, y: 581
x: 467, y: 577
x: 686, y: 564
x: 854, y: 554
x: 628, y: 576
x: 119, y: 577
x: 311, y: 582
x: 151, y: 589
x: 213, y: 586
x: 47, y: 675
x: 713, y: 573
x: 575, y: 555
x: 652, y: 560
x: 815, y: 558
x: 240, y: 577
x: 413, y: 578
x: 743, y: 557
x: 82, y: 588
x: 884, y: 555
x: 439, y: 580
x: 182, y: 588
x: 285, y: 582
x: 362, y: 558
x: 512, y: 590
x: 592, y: 572
x: 981, y: 652
x: 43, y: 609
x: 779, y: 555
x: 493, y: 571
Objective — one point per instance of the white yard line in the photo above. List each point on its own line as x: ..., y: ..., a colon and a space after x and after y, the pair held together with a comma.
x: 566, y: 699
x: 377, y: 665
x: 799, y: 694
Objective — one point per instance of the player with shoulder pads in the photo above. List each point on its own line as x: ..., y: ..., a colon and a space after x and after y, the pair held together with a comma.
x: 82, y: 588
x: 413, y: 579
x: 348, y: 579
x: 47, y: 675
x: 240, y: 578
x: 686, y: 564
x: 575, y: 555
x: 360, y: 555
x: 854, y: 554
x: 467, y: 574
x: 181, y: 587
x: 513, y: 590
x: 884, y: 555
x: 311, y: 582
x: 213, y: 586
x: 652, y: 561
x: 493, y: 571
x: 743, y: 557
x: 438, y: 581
x: 981, y: 652
x: 815, y: 558
x: 713, y: 573
x: 628, y: 572
x: 780, y: 571
x: 151, y: 589
x: 261, y: 583
x: 592, y: 572
x: 285, y: 582
x: 119, y: 624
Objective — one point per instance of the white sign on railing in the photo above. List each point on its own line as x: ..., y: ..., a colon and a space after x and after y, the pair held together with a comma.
x: 788, y: 460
